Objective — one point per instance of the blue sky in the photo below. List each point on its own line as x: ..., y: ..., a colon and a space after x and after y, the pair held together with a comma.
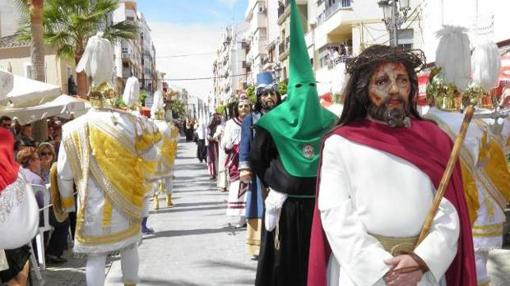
x: 189, y: 27
x: 193, y: 11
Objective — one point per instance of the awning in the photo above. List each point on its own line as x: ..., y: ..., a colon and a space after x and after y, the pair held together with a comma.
x: 17, y: 91
x: 62, y: 106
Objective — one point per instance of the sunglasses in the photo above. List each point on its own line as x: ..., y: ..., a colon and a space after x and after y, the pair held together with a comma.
x: 46, y: 154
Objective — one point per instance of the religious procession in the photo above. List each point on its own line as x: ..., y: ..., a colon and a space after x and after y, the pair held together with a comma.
x: 371, y: 154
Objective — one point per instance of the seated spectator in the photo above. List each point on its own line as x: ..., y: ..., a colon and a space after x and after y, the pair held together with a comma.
x: 31, y: 163
x: 6, y: 122
x: 24, y: 138
x: 60, y: 222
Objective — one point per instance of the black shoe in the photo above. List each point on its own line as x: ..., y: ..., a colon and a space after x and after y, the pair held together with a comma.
x: 51, y: 259
x: 255, y: 257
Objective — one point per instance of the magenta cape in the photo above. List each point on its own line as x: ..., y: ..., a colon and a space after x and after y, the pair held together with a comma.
x: 428, y: 148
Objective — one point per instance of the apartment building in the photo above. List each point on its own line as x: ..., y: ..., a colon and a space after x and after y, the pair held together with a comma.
x: 231, y: 68
x: 15, y: 55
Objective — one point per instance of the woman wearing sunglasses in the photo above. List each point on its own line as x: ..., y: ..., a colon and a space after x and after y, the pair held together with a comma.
x: 58, y: 240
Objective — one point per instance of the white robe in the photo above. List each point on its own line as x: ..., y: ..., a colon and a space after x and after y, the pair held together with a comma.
x: 92, y: 202
x: 232, y: 136
x: 19, y: 214
x: 364, y: 190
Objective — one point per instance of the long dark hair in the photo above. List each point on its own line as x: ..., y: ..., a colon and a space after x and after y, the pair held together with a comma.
x: 261, y: 91
x: 361, y: 69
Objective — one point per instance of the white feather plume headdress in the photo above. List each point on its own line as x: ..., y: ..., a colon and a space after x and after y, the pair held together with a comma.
x: 97, y: 60
x: 131, y: 95
x: 453, y: 56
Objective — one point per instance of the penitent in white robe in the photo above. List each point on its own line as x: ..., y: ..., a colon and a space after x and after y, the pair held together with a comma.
x: 364, y: 190
x: 92, y: 235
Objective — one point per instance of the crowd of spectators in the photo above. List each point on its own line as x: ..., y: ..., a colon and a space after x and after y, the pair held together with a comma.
x: 36, y: 160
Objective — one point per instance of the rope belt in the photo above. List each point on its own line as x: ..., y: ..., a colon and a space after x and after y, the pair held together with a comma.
x: 397, y: 245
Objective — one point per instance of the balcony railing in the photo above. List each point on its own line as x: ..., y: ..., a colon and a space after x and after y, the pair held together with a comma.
x: 340, y: 4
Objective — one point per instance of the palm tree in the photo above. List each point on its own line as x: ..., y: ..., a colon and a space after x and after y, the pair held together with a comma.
x: 34, y: 9
x: 68, y: 24
x: 32, y: 12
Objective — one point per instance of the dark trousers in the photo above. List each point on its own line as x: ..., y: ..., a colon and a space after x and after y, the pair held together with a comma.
x: 58, y: 240
x: 201, y: 150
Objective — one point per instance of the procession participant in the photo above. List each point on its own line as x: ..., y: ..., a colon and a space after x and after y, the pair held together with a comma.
x: 221, y: 178
x: 380, y: 168
x: 268, y: 97
x: 201, y: 134
x: 104, y: 152
x: 230, y: 144
x: 284, y: 154
x: 486, y: 178
x: 131, y: 98
x: 212, y: 146
x: 167, y: 149
x: 19, y: 215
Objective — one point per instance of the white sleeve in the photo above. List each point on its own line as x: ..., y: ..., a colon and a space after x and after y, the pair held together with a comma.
x: 65, y: 179
x: 360, y: 255
x: 19, y: 218
x: 439, y: 248
x: 226, y: 140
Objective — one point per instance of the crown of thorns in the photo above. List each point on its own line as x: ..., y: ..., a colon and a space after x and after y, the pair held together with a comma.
x: 378, y: 53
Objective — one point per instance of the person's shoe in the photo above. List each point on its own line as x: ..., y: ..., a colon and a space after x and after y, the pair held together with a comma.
x: 255, y: 257
x: 169, y: 201
x: 147, y: 230
x: 51, y: 259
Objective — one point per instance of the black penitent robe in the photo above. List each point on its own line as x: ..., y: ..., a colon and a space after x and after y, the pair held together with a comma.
x: 288, y: 264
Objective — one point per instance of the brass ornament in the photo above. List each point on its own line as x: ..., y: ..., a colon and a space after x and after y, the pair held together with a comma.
x: 103, y: 96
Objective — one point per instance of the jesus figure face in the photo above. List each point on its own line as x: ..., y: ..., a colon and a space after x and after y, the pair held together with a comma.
x: 389, y: 90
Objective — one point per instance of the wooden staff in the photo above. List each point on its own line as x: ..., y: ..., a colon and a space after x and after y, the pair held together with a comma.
x: 447, y: 174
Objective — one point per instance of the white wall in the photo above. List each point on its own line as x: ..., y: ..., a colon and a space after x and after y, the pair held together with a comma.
x: 9, y: 18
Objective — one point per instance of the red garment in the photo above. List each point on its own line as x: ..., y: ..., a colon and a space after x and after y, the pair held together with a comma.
x: 8, y: 166
x: 428, y: 148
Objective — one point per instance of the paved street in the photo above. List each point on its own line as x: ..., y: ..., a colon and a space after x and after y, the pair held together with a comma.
x: 194, y: 245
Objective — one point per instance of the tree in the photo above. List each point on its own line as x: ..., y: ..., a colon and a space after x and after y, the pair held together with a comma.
x: 32, y: 11
x: 68, y: 24
x: 178, y: 108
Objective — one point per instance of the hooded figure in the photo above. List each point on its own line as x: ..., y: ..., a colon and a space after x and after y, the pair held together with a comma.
x: 284, y: 155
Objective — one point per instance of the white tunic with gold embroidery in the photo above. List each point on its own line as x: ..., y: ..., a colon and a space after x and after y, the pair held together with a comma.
x: 107, y: 154
x: 167, y: 149
x: 484, y: 174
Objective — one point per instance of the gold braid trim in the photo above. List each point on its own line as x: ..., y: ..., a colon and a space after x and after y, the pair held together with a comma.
x: 468, y: 173
x: 59, y: 204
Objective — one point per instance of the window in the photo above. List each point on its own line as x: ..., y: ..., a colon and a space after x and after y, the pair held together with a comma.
x: 28, y: 70
x: 405, y: 38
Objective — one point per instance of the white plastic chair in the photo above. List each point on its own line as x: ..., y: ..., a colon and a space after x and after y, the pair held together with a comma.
x: 39, y: 238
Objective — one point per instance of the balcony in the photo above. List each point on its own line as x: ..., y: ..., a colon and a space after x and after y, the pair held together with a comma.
x: 330, y: 10
x: 245, y: 64
x: 283, y: 49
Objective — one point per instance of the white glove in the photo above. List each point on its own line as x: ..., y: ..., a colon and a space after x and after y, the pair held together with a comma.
x: 273, y: 203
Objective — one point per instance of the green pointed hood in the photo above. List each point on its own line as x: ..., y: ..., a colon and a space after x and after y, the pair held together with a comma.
x: 297, y: 124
